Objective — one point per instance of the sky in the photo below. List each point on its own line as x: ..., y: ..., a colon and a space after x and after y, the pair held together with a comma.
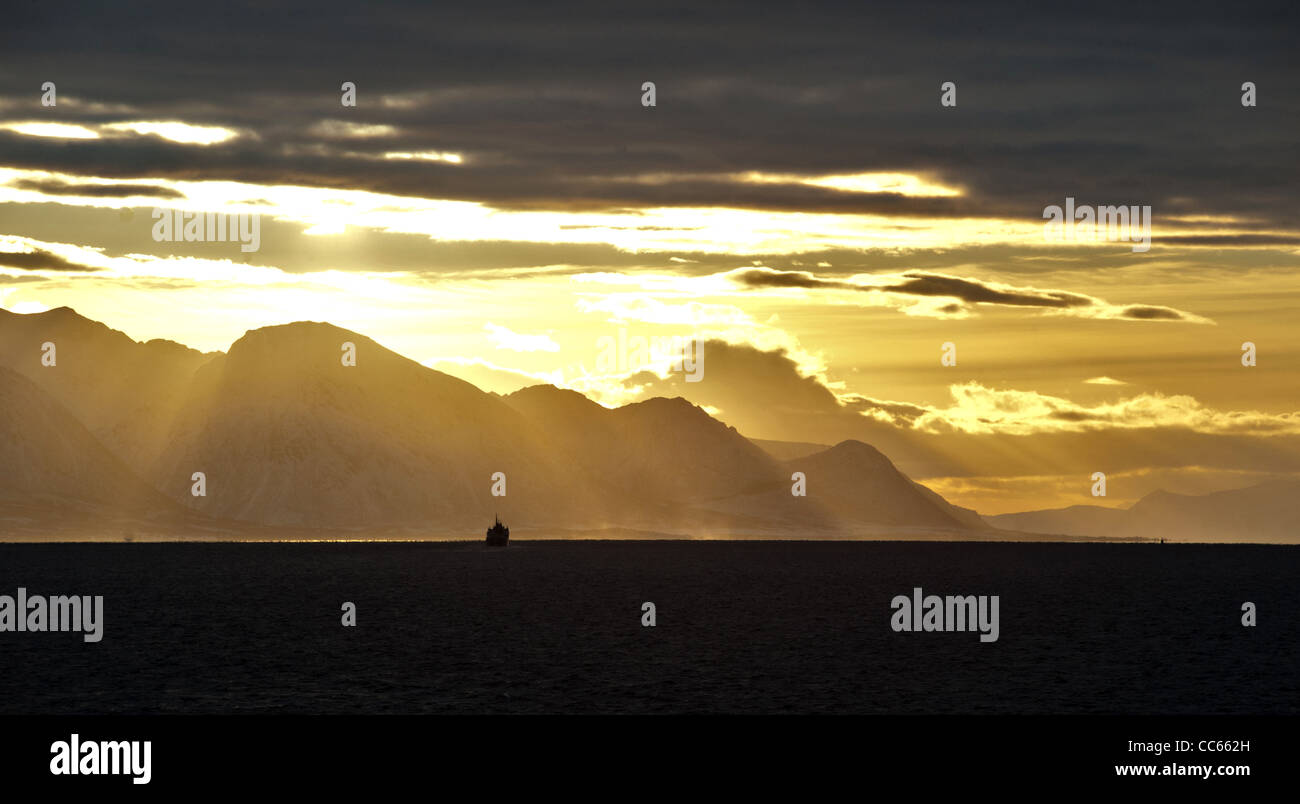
x: 501, y: 204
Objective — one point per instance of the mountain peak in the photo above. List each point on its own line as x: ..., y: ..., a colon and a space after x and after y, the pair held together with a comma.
x: 854, y: 447
x: 301, y: 343
x: 1160, y: 497
x: 547, y: 390
x: 559, y: 406
x: 667, y: 403
x: 57, y: 313
x: 298, y: 329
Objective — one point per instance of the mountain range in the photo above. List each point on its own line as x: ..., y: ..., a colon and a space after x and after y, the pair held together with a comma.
x: 112, y: 439
x: 1266, y: 512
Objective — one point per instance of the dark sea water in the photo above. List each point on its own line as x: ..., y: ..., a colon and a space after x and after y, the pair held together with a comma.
x: 742, y: 627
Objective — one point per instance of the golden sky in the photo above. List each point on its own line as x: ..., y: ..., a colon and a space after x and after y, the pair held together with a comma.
x: 824, y: 244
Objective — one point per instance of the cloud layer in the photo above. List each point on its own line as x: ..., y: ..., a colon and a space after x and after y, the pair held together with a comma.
x: 957, y: 296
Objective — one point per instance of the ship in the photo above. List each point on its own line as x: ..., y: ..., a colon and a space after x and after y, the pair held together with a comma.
x: 498, y: 534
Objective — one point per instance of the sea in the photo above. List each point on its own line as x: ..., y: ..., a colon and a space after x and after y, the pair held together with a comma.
x: 738, y: 627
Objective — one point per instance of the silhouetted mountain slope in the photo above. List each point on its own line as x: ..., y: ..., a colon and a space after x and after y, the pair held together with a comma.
x: 287, y: 434
x: 849, y: 486
x: 680, y: 451
x: 856, y: 481
x: 123, y: 391
x: 1265, y: 512
x: 1076, y: 520
x: 50, y: 460
x: 966, y: 516
x: 660, y: 450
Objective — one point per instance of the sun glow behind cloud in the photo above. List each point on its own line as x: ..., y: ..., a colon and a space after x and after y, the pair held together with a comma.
x: 899, y: 183
x: 346, y: 129
x: 66, y: 131
x: 426, y: 156
x: 218, y: 299
x: 506, y: 338
x: 183, y: 133
x: 741, y: 232
x: 668, y: 228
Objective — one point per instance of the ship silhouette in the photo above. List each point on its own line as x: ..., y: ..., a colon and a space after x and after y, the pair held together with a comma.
x: 498, y: 534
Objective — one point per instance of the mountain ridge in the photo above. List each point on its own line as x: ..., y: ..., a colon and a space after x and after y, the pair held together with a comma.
x: 1268, y: 510
x: 286, y: 435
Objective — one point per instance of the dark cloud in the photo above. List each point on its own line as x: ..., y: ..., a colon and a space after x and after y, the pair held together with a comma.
x: 545, y: 101
x: 1074, y: 416
x: 899, y: 412
x: 39, y: 261
x: 767, y: 278
x: 969, y: 291
x: 96, y: 190
x: 1152, y: 313
x: 1230, y: 240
